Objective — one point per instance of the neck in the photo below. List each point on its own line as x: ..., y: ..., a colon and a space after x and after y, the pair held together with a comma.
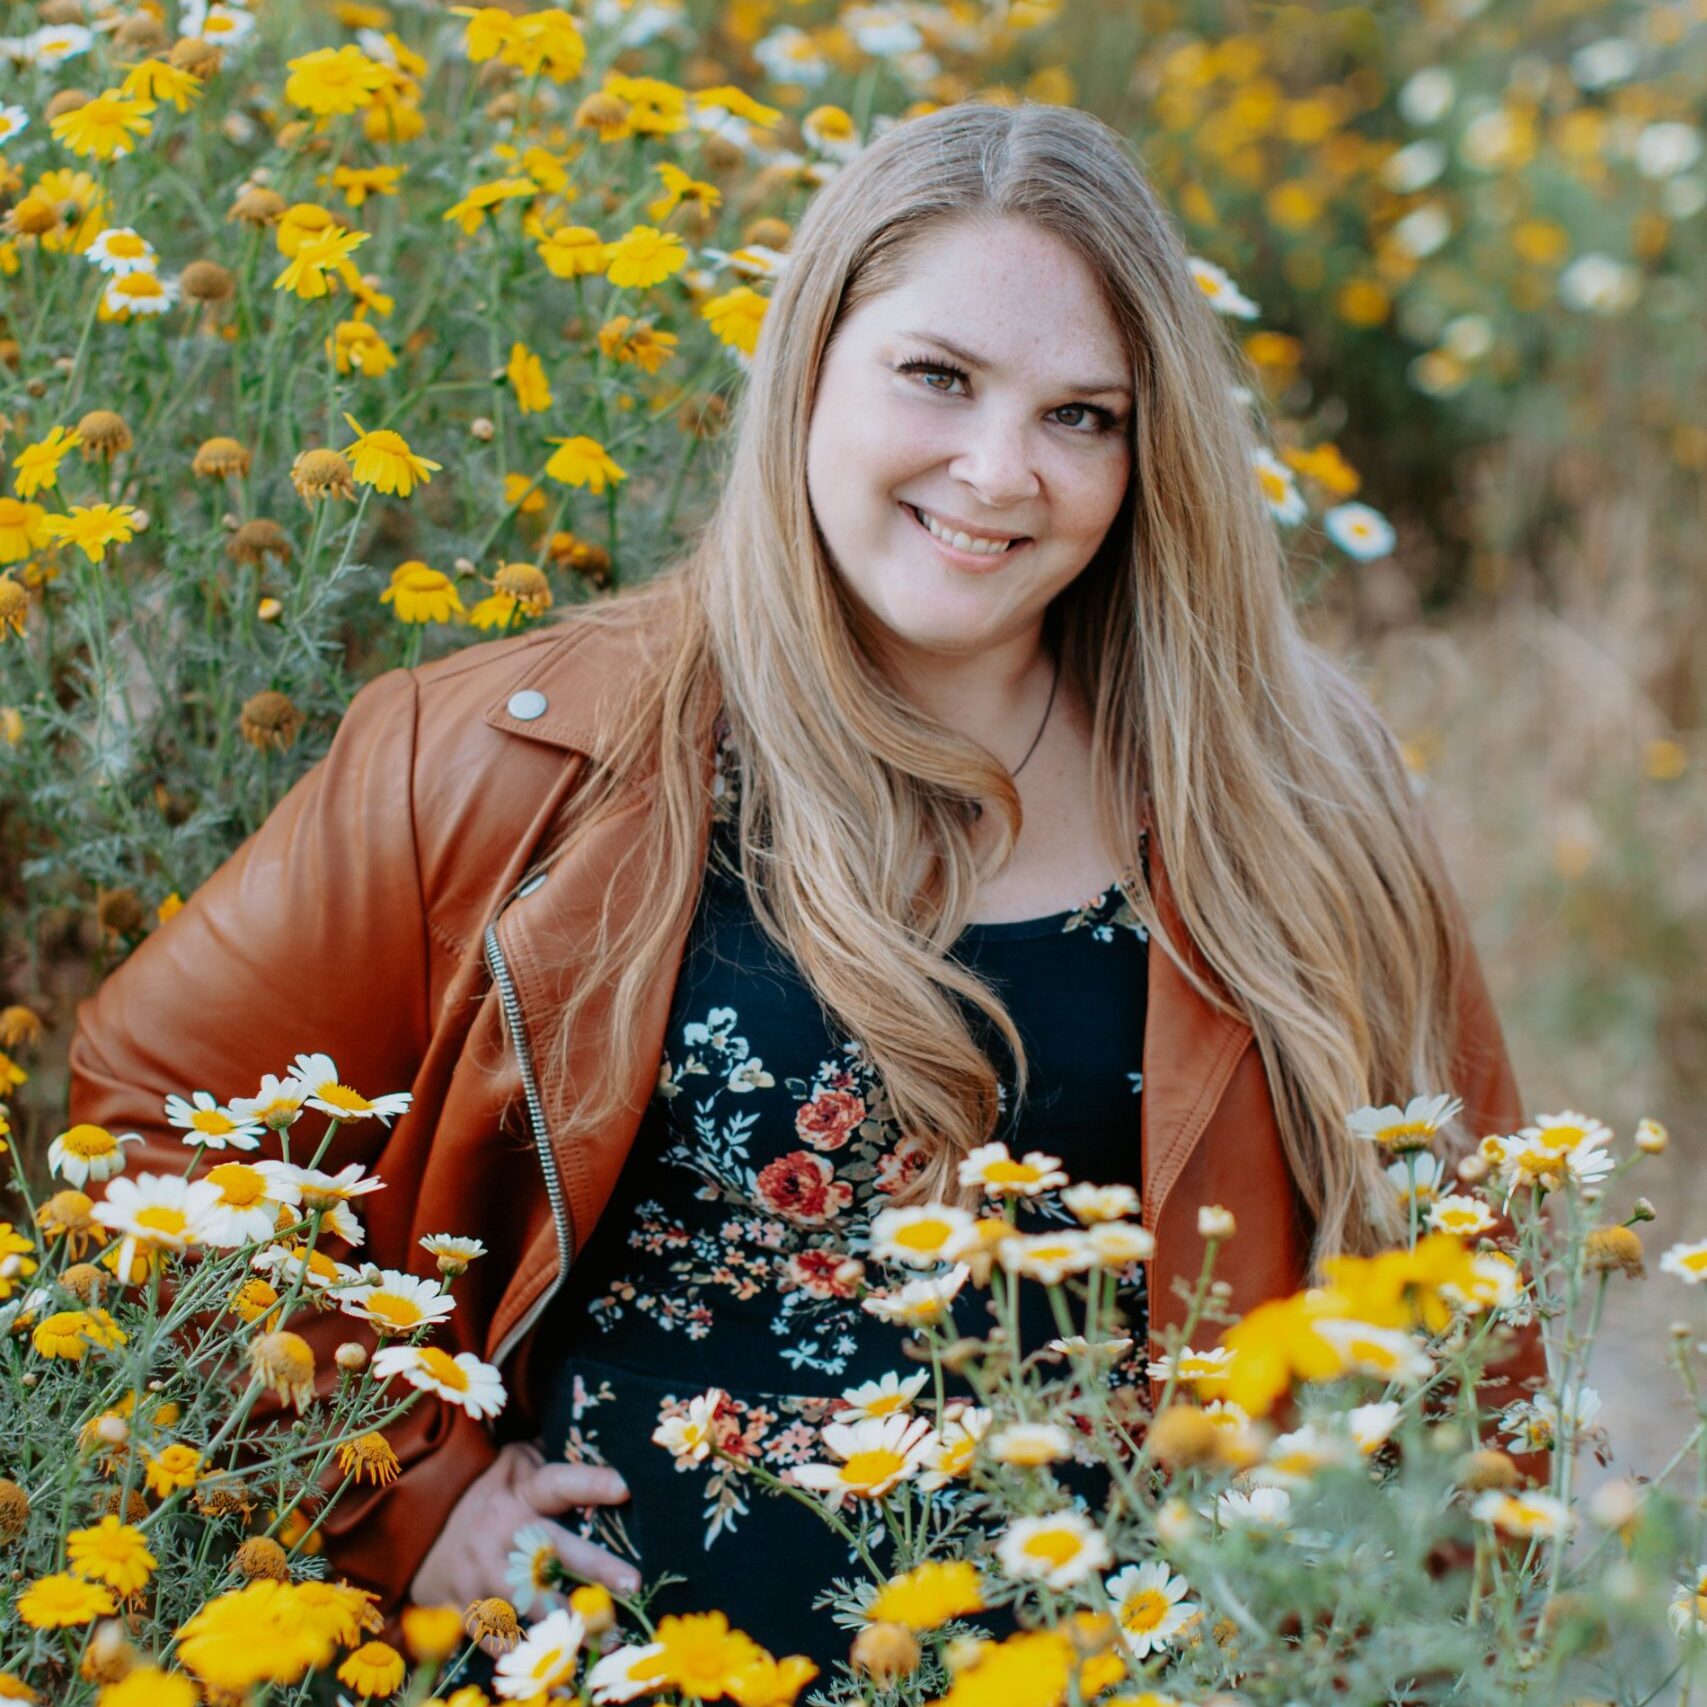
x: 995, y: 697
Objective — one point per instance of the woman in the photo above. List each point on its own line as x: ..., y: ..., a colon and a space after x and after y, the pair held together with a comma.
x: 756, y: 900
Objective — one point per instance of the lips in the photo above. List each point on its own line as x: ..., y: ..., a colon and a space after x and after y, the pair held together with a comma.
x: 978, y: 559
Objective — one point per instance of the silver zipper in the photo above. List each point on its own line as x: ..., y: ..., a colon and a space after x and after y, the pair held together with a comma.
x: 541, y: 1139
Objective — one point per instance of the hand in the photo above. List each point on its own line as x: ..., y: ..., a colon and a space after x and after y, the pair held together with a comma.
x: 467, y: 1561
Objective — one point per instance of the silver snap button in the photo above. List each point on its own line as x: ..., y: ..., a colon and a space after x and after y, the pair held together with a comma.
x: 532, y: 884
x: 526, y: 705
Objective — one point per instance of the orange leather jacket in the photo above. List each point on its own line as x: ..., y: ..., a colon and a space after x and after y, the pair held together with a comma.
x: 379, y: 915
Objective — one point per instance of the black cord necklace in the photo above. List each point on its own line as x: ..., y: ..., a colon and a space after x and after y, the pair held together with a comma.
x: 1054, y: 682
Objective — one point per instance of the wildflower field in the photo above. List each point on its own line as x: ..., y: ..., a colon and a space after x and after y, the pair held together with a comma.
x: 338, y: 336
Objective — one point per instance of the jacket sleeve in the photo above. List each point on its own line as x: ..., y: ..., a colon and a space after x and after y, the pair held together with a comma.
x: 311, y: 936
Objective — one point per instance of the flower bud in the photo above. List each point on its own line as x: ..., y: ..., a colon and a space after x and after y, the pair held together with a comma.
x: 1487, y: 1468
x: 1643, y: 1210
x: 1214, y: 1222
x: 1651, y: 1137
x: 351, y: 1356
x: 1182, y: 1436
x: 885, y: 1652
x: 1473, y: 1168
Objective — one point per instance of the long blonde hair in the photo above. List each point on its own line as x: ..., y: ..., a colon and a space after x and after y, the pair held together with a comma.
x: 1288, y: 831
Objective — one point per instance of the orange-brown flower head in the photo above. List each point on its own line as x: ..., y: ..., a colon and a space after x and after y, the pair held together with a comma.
x: 262, y: 1556
x: 323, y: 473
x: 492, y: 1620
x: 34, y: 216
x: 220, y: 456
x: 270, y: 719
x: 1183, y: 1436
x: 14, y: 1510
x: 109, y: 1657
x: 768, y: 232
x: 65, y: 101
x: 1487, y: 1468
x: 206, y: 281
x: 601, y: 111
x: 141, y: 34
x: 525, y: 584
x: 285, y: 1362
x: 257, y: 205
x: 885, y: 1653
x: 369, y: 1457
x: 104, y: 435
x: 1608, y: 1248
x: 83, y: 1280
x: 120, y: 912
x: 114, y: 1502
x: 262, y: 537
x: 196, y: 55
x: 224, y: 1499
x: 20, y: 1027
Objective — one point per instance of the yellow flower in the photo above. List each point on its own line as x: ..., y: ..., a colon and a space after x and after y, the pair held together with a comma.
x: 490, y: 30
x: 421, y: 594
x: 769, y: 1682
x: 355, y: 343
x: 21, y: 529
x: 148, y: 1686
x: 1274, y: 1344
x: 680, y: 187
x: 700, y: 1653
x: 332, y: 81
x: 572, y: 251
x: 736, y: 318
x: 548, y: 41
x: 928, y: 1595
x: 526, y: 373
x: 1032, y: 1667
x: 112, y: 1552
x: 14, y: 607
x: 375, y: 1668
x: 105, y: 126
x: 644, y: 256
x: 301, y: 221
x: 37, y: 466
x: 257, y: 1634
x: 360, y: 182
x: 176, y: 1466
x: 93, y: 527
x: 432, y: 1633
x: 384, y: 461
x: 471, y: 211
x: 328, y: 252
x: 67, y: 1334
x: 582, y: 462
x: 160, y: 80
x: 61, y: 1601
x: 82, y: 210
x: 627, y: 340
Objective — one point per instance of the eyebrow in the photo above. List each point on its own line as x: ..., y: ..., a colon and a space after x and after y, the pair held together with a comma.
x: 1098, y: 388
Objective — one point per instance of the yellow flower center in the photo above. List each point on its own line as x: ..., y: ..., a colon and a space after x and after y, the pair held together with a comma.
x: 443, y: 1368
x: 923, y: 1235
x: 1011, y: 1173
x: 870, y: 1469
x: 212, y: 1122
x: 885, y: 1403
x: 88, y: 1142
x: 397, y: 1313
x: 1694, y: 1261
x: 341, y: 1096
x: 126, y: 243
x: 162, y: 1219
x: 1057, y: 1546
x: 1143, y: 1611
x: 239, y: 1185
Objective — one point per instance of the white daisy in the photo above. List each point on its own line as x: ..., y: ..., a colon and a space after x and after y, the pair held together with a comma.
x: 1687, y: 1260
x: 1079, y: 1346
x: 1224, y: 296
x: 1030, y: 1445
x: 920, y: 1302
x: 1371, y: 1426
x: 1429, y: 1171
x: 1612, y: 59
x: 1523, y: 1514
x: 529, y: 1569
x: 882, y: 1398
x: 454, y: 1253
x: 120, y: 250
x: 276, y: 1105
x: 1427, y: 95
x: 1095, y: 1203
x: 1459, y: 1214
x: 1390, y: 1353
x: 1498, y: 1284
x: 1059, y: 1549
x: 1688, y: 1610
x: 628, y: 1672
x: 789, y: 55
x: 1359, y: 531
x: 689, y: 1439
x: 1149, y: 1601
x: 317, y: 1075
x: 1262, y: 1509
x: 12, y: 120
x: 1401, y: 1131
x: 1413, y: 167
x: 285, y: 1265
x: 207, y: 1123
x: 1292, y: 1459
x: 1190, y: 1365
x: 948, y: 1454
x: 1119, y: 1244
x: 1279, y: 488
x: 223, y: 25
x: 1049, y: 1257
x: 397, y: 1303
x: 920, y: 1235
x: 1597, y: 284
x: 1662, y: 150
x: 55, y: 43
x: 543, y: 1661
x: 461, y: 1380
x: 141, y: 292
x: 156, y: 1212
x: 1001, y: 1175
x: 84, y: 1152
x: 246, y: 1212
x: 871, y: 1458
x: 329, y: 1195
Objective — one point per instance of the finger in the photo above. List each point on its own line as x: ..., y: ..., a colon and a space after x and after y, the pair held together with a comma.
x: 556, y: 1487
x: 587, y: 1559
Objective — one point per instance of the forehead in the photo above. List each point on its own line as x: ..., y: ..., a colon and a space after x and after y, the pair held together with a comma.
x: 1006, y: 289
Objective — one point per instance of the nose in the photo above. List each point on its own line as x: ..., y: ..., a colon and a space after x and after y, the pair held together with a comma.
x: 997, y: 461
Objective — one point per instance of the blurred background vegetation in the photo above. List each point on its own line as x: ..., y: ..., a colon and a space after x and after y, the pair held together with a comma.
x: 1472, y: 241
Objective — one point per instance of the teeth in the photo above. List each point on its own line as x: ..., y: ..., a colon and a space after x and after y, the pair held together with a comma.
x: 961, y: 541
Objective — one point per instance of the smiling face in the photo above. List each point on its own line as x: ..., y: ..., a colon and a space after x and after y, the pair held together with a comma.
x: 1007, y: 432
